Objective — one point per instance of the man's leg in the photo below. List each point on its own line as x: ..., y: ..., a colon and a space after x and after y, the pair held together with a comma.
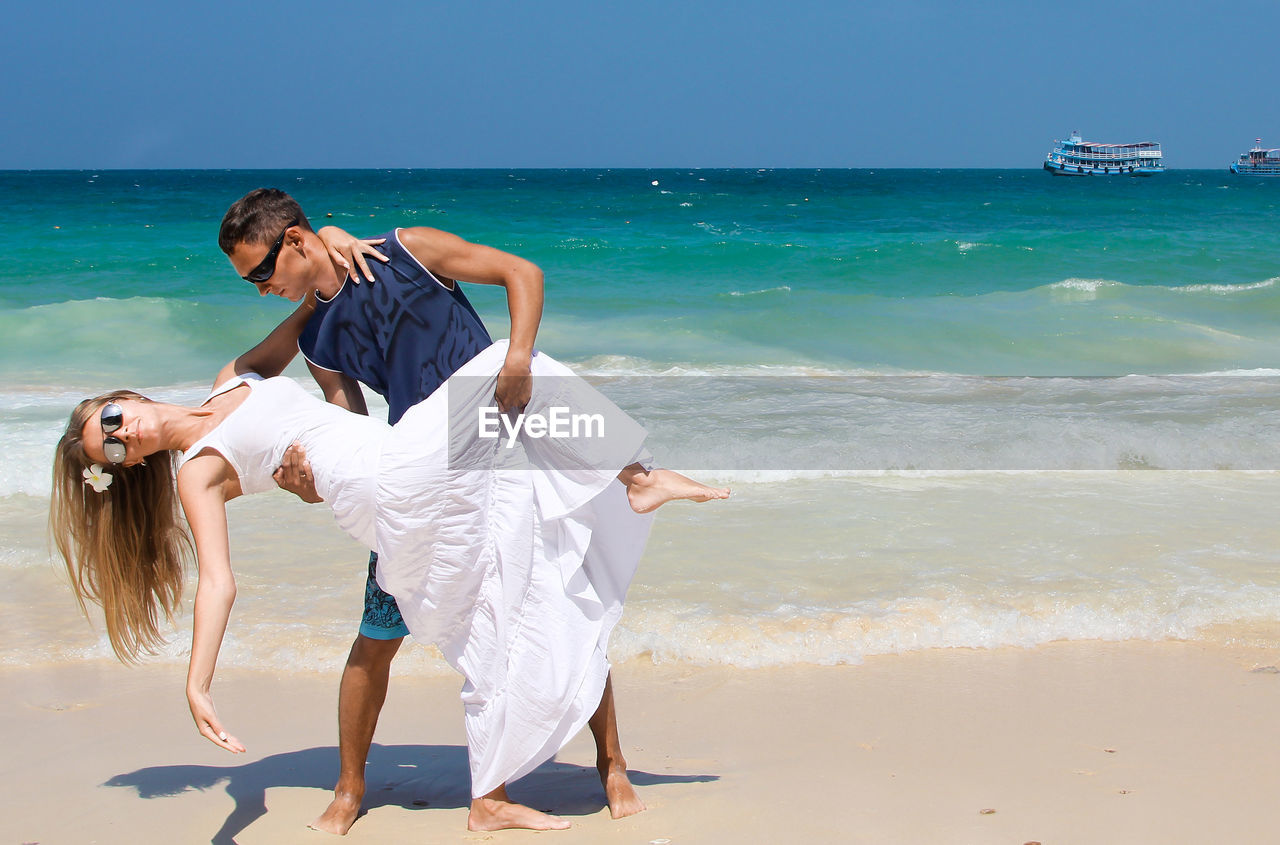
x: 360, y: 698
x: 623, y: 800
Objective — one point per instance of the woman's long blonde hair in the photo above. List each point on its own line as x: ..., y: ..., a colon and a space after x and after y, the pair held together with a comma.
x: 124, y: 547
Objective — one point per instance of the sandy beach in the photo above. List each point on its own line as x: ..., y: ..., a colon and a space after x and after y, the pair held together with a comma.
x: 1070, y: 742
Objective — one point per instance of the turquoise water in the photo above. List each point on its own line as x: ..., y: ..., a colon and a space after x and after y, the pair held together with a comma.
x: 868, y: 346
x: 979, y: 272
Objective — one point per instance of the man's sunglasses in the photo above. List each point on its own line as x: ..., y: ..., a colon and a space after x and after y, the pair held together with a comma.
x: 267, y: 266
x: 112, y: 418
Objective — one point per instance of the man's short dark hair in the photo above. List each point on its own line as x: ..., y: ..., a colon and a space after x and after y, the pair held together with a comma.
x: 259, y: 217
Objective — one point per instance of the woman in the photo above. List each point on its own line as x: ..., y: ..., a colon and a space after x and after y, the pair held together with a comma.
x: 513, y: 558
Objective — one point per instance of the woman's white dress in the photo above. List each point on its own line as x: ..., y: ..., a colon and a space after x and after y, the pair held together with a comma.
x: 514, y: 561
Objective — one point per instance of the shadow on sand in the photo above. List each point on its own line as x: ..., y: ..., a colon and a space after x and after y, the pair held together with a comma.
x: 415, y: 777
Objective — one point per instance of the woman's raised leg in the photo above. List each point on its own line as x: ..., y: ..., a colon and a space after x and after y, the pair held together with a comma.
x: 650, y: 489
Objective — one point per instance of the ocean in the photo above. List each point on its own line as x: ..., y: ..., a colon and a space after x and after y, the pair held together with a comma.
x: 958, y: 408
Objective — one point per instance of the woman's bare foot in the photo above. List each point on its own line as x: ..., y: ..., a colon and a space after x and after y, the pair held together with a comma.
x: 496, y: 811
x: 339, y: 815
x: 648, y: 491
x: 622, y: 797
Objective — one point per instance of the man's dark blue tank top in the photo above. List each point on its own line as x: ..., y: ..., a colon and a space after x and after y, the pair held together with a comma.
x: 402, y: 335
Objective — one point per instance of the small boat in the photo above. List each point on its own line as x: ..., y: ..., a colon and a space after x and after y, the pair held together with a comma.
x: 1258, y: 162
x: 1077, y: 157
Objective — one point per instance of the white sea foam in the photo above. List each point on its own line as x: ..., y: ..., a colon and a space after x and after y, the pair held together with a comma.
x: 816, y: 570
x: 778, y: 289
x: 572, y: 243
x: 616, y: 366
x: 1261, y: 372
x: 1085, y: 285
x: 1095, y: 285
x: 791, y: 635
x: 745, y: 422
x: 1228, y: 289
x: 719, y: 231
x: 701, y: 634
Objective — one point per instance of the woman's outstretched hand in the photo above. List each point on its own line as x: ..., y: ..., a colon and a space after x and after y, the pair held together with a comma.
x: 206, y: 716
x: 348, y: 250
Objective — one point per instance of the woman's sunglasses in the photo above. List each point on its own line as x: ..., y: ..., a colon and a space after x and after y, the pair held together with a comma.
x: 112, y: 418
x: 267, y: 266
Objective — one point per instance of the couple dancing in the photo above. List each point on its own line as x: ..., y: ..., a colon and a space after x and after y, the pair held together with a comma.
x: 512, y: 556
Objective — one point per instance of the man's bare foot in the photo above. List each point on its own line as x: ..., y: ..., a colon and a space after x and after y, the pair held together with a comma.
x: 496, y: 811
x: 648, y: 491
x: 623, y: 800
x: 339, y: 815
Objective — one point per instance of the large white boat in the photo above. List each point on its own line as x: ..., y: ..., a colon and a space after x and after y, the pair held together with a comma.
x: 1077, y: 157
x: 1258, y: 162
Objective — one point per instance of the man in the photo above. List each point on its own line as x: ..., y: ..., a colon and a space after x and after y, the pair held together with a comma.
x: 402, y: 334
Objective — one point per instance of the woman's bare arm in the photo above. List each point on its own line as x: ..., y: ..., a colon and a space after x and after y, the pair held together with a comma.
x: 205, y: 483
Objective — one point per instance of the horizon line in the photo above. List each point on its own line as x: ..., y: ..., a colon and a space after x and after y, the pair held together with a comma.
x: 756, y: 168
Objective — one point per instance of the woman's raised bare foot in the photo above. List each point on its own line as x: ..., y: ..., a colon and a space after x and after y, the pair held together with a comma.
x: 496, y: 811
x: 648, y: 491
x: 339, y: 815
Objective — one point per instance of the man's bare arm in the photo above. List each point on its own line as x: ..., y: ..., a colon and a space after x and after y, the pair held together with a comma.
x: 274, y: 352
x: 454, y: 258
x: 339, y: 389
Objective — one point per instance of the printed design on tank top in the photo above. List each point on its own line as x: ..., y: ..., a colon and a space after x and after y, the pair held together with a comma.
x: 402, y: 335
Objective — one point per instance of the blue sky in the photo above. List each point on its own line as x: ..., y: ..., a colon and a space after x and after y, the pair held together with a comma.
x: 651, y: 84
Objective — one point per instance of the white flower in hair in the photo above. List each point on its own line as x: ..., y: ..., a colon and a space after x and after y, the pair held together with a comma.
x: 97, y: 479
